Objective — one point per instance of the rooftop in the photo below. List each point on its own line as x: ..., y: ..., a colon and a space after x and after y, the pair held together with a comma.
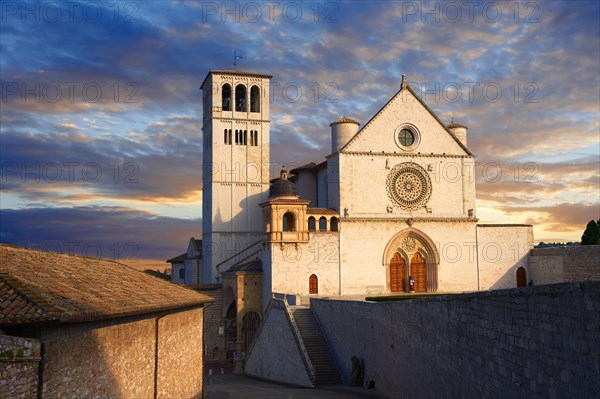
x: 39, y: 286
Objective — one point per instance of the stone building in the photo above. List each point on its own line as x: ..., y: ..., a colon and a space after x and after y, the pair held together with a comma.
x: 187, y: 267
x: 106, y: 330
x: 391, y: 209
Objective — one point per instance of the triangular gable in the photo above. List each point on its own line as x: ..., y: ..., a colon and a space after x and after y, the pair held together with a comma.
x: 351, y: 145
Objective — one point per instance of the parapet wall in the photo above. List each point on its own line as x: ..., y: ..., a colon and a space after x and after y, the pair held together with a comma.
x: 541, y: 341
x: 562, y: 264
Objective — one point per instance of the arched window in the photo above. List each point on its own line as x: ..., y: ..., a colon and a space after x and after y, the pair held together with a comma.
x: 225, y: 137
x: 323, y: 224
x: 289, y: 222
x: 333, y: 224
x: 229, y: 137
x: 521, y: 277
x: 245, y: 137
x: 313, y: 284
x: 254, y: 99
x: 240, y: 98
x: 226, y: 97
x: 312, y: 224
x: 255, y: 138
x: 237, y: 137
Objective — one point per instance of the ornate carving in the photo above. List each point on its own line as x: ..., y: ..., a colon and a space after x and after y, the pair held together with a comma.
x: 409, y: 186
x: 408, y: 244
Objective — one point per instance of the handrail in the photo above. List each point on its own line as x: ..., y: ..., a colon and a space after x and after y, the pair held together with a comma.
x: 300, y: 343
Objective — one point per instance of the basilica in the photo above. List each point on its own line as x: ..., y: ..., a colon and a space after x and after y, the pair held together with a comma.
x: 391, y: 210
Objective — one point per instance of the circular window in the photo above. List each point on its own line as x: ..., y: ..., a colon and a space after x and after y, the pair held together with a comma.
x: 409, y: 186
x: 407, y: 137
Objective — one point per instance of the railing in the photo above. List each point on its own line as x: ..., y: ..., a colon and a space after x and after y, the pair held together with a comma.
x: 299, y: 342
x: 238, y: 254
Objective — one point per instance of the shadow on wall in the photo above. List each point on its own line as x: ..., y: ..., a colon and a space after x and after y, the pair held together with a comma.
x: 517, y: 276
x: 123, y: 358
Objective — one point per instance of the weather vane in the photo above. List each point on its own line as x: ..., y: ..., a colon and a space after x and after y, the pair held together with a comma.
x: 236, y: 56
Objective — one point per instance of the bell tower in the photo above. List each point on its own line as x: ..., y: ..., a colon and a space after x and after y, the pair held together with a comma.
x: 235, y: 167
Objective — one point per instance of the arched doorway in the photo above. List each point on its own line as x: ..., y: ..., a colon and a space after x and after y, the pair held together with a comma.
x: 250, y: 323
x: 401, y: 251
x: 397, y: 273
x: 313, y: 284
x: 521, y: 277
x: 419, y: 272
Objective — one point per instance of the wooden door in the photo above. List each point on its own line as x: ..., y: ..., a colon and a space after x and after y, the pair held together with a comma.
x: 419, y: 272
x: 521, y: 277
x: 397, y: 273
x: 313, y: 284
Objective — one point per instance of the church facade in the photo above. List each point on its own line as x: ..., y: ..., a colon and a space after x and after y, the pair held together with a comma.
x: 391, y: 209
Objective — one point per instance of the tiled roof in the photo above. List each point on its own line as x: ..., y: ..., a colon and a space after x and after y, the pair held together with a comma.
x: 178, y: 259
x: 321, y: 211
x: 452, y: 125
x: 344, y: 119
x: 40, y: 286
x: 252, y: 266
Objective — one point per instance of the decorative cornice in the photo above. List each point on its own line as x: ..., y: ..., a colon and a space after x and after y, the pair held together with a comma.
x: 406, y: 220
x: 406, y: 155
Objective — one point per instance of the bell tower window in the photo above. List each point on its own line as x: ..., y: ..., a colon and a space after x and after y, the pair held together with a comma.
x: 226, y: 97
x: 254, y: 99
x: 240, y: 98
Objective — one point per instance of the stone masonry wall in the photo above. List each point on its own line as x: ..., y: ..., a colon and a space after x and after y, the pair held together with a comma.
x: 214, y: 340
x: 19, y: 364
x: 118, y: 358
x: 562, y: 264
x: 541, y: 341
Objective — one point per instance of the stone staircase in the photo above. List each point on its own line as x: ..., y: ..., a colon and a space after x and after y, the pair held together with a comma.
x: 318, y: 352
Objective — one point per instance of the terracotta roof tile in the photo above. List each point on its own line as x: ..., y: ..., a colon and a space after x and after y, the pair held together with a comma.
x: 344, y: 119
x: 321, y: 211
x: 37, y: 286
x: 452, y: 125
x: 178, y: 259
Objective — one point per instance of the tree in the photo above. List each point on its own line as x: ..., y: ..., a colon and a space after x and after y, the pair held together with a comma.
x: 591, y: 235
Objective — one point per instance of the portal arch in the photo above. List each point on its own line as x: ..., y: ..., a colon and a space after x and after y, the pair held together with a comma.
x: 418, y: 252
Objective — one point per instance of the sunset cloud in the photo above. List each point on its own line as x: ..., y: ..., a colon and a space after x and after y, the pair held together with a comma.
x: 101, y: 120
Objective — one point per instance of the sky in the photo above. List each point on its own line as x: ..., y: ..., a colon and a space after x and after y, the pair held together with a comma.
x: 101, y: 139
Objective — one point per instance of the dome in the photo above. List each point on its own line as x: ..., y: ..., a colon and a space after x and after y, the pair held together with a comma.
x: 283, y: 187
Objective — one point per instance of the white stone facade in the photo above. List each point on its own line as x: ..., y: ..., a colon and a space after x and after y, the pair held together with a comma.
x: 397, y: 200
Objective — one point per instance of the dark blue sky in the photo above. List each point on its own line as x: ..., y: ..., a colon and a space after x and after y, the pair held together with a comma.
x: 100, y: 120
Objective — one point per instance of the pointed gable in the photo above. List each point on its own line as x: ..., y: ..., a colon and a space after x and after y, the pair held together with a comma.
x: 406, y: 109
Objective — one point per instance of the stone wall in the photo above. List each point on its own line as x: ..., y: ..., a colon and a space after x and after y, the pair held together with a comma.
x: 125, y: 357
x: 19, y: 365
x: 503, y: 248
x: 214, y: 335
x: 276, y: 355
x: 541, y: 341
x: 562, y: 264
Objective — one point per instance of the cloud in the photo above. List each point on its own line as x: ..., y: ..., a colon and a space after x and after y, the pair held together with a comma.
x: 143, y: 127
x: 108, y: 232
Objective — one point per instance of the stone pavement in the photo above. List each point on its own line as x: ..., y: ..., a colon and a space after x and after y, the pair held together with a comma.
x: 232, y: 386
